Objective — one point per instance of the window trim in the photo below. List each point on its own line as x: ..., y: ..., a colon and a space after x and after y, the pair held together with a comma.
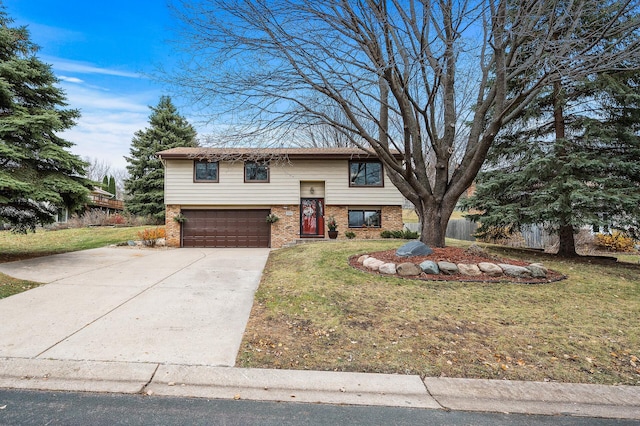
x: 364, y: 212
x: 380, y: 185
x: 196, y: 180
x: 265, y: 165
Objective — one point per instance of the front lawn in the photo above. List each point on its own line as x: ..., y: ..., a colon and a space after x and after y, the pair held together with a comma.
x: 43, y: 243
x: 313, y: 311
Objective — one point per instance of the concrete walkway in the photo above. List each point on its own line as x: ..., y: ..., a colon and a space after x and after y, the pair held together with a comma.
x: 170, y: 322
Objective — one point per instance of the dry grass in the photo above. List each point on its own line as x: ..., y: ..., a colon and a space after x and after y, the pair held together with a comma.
x: 43, y: 242
x: 10, y: 286
x: 312, y: 311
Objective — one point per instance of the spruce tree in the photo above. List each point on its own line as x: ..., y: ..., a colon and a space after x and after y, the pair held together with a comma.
x: 38, y: 174
x: 567, y: 166
x: 145, y: 185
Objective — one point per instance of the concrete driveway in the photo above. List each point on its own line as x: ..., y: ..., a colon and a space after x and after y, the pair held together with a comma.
x: 174, y: 306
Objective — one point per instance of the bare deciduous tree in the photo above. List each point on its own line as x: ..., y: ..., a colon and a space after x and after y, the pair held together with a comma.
x: 97, y: 169
x: 399, y: 72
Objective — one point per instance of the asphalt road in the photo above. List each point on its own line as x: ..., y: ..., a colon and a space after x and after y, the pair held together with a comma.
x: 19, y: 407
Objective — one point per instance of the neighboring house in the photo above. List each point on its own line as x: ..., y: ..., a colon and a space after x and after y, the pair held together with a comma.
x: 104, y: 200
x: 99, y: 199
x: 222, y: 197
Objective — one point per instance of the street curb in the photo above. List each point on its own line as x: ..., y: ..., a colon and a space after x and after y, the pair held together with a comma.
x: 536, y: 397
x: 407, y: 391
x: 80, y: 376
x: 292, y: 385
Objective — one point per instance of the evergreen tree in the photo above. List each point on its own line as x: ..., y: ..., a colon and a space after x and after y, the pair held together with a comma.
x: 581, y: 168
x: 145, y: 185
x: 111, y: 187
x: 105, y: 183
x: 38, y: 174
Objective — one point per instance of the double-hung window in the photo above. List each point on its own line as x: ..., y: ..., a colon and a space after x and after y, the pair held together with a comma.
x: 205, y: 171
x: 365, y: 173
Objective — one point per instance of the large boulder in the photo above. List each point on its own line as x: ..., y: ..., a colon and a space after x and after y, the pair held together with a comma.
x: 407, y: 269
x: 362, y: 258
x: 414, y: 248
x: 388, y: 268
x: 515, y: 271
x: 448, y: 268
x: 537, y: 270
x: 373, y: 263
x: 490, y: 269
x: 430, y: 267
x: 469, y: 269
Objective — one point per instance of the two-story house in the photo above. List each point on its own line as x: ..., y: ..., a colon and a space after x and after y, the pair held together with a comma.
x: 222, y: 197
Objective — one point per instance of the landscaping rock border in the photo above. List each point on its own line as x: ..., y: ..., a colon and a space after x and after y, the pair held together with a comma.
x: 489, y: 270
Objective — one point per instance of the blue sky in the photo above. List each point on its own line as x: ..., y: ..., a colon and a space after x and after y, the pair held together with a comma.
x: 102, y: 51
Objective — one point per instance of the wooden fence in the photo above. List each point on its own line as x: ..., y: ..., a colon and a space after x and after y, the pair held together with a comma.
x: 460, y: 229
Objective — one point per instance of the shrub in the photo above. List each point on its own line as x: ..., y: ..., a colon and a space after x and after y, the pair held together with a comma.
x: 96, y: 217
x: 615, y: 241
x: 116, y: 219
x: 150, y: 236
x: 496, y: 234
x: 272, y: 218
x: 404, y: 234
x: 350, y: 235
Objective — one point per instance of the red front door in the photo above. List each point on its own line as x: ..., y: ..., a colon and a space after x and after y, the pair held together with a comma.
x: 312, y: 217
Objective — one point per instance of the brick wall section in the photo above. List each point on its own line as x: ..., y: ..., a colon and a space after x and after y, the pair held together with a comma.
x: 171, y: 226
x: 287, y: 229
x: 391, y: 221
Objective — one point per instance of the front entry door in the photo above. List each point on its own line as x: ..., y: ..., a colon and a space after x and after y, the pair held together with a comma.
x: 312, y: 217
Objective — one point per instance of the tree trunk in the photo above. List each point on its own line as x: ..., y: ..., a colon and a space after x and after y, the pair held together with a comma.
x: 567, y: 247
x: 434, y: 220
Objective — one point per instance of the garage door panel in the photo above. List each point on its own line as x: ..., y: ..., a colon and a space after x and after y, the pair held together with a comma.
x: 226, y: 228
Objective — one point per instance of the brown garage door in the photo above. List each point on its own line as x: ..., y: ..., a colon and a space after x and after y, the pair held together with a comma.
x: 225, y: 228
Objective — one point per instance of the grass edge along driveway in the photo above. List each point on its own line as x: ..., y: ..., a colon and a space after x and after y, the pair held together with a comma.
x: 44, y: 243
x: 313, y: 311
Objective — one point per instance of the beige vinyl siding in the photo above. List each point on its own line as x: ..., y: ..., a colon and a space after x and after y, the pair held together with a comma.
x: 312, y: 189
x: 283, y: 187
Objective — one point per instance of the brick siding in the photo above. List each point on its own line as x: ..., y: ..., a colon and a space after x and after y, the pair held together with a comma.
x: 171, y: 226
x: 287, y: 229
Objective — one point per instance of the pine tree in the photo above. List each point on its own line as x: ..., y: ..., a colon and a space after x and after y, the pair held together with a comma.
x: 145, y: 185
x: 38, y: 174
x: 581, y: 168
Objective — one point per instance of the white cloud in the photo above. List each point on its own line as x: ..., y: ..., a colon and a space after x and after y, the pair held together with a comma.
x: 108, y: 121
x: 66, y: 65
x: 106, y: 137
x: 112, y: 110
x: 89, y: 98
x: 70, y: 79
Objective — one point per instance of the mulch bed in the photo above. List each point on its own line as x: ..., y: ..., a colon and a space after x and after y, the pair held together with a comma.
x: 455, y: 255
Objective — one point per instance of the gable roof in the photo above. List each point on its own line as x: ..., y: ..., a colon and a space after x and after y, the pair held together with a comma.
x: 268, y: 153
